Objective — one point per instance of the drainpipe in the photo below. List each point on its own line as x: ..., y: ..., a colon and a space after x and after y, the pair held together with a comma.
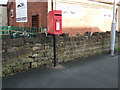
x: 113, y: 31
x: 54, y: 4
x: 51, y: 5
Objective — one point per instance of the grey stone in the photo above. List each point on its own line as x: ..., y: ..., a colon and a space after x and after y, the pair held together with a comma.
x: 33, y: 64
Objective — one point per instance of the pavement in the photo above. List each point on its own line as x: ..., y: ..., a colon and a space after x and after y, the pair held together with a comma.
x: 100, y: 71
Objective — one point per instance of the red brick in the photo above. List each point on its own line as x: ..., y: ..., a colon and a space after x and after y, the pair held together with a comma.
x: 39, y: 8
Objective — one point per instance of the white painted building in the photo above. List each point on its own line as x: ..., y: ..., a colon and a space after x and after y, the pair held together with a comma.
x: 119, y: 17
x: 3, y: 15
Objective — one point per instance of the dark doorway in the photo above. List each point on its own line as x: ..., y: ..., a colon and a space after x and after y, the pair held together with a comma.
x: 35, y: 21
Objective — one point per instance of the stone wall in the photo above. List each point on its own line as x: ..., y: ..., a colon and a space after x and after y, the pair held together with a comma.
x: 27, y: 53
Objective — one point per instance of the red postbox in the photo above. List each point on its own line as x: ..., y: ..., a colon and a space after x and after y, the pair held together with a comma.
x: 55, y: 22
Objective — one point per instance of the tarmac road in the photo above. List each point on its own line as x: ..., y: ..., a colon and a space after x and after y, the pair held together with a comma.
x: 100, y: 71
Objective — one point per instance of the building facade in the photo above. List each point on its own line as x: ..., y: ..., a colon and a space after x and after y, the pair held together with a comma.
x: 119, y: 16
x: 36, y: 13
x: 3, y: 15
x: 79, y: 16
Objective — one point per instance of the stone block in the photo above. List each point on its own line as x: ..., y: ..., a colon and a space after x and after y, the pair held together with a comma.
x: 60, y: 59
x: 6, y: 37
x: 40, y: 63
x: 103, y: 34
x: 49, y: 61
x: 33, y: 64
x: 26, y: 39
x: 96, y: 34
x: 18, y: 68
x: 87, y: 34
x: 64, y: 35
x: 7, y: 70
x: 26, y: 66
x: 25, y: 58
x: 35, y: 48
x: 17, y: 42
x: 34, y: 40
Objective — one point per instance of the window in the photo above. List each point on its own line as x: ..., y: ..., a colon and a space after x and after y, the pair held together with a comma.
x: 35, y: 21
x: 12, y: 12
